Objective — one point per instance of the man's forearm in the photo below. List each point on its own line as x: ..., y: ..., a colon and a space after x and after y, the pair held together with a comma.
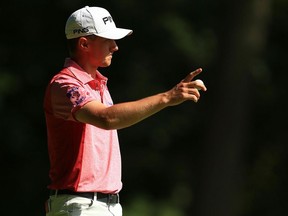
x: 126, y: 114
x: 123, y: 114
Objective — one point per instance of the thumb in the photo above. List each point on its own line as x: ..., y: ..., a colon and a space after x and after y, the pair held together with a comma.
x: 191, y: 75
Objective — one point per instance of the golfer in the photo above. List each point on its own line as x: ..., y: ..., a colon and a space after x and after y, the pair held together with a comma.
x: 82, y: 121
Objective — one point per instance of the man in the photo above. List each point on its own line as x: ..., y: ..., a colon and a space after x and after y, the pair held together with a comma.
x: 82, y: 122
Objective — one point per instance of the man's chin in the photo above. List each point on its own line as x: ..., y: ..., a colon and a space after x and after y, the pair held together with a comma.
x: 106, y: 63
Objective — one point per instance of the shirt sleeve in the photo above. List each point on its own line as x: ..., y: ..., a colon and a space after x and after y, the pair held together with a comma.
x: 67, y: 98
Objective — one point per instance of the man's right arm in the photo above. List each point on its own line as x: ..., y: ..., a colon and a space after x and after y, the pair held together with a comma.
x: 126, y: 114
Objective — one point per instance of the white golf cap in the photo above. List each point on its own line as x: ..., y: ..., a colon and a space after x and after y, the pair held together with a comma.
x: 93, y: 21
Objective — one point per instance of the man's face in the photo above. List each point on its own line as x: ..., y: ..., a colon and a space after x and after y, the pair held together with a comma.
x: 100, y: 51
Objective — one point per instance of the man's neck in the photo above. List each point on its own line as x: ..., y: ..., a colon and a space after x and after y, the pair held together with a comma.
x: 86, y: 66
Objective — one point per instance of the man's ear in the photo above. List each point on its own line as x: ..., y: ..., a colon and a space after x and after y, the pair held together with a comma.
x: 83, y: 43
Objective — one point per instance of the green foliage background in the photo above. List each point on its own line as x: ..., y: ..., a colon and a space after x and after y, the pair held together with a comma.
x: 226, y: 155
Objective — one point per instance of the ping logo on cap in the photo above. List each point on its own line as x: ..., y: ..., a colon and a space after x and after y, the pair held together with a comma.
x: 106, y: 19
x: 78, y: 31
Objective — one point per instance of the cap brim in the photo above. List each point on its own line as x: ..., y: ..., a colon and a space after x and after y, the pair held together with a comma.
x: 115, y: 34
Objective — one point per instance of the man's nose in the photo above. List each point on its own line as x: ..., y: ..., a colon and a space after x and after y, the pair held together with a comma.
x: 114, y: 46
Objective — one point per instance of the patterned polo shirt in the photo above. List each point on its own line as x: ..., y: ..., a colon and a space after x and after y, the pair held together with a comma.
x: 82, y: 157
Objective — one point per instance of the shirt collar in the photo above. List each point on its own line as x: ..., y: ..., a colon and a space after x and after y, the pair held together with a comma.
x: 85, y: 77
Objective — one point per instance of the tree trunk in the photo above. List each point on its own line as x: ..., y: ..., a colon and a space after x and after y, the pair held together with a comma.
x: 242, y: 40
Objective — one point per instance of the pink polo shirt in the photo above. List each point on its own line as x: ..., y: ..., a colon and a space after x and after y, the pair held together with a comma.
x: 82, y: 157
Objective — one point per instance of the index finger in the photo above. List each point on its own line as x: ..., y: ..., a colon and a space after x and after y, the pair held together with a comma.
x: 191, y: 75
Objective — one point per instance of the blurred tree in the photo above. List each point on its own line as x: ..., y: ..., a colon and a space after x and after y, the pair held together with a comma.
x: 242, y: 38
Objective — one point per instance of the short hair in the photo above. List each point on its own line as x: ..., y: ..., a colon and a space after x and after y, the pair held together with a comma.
x: 72, y: 45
